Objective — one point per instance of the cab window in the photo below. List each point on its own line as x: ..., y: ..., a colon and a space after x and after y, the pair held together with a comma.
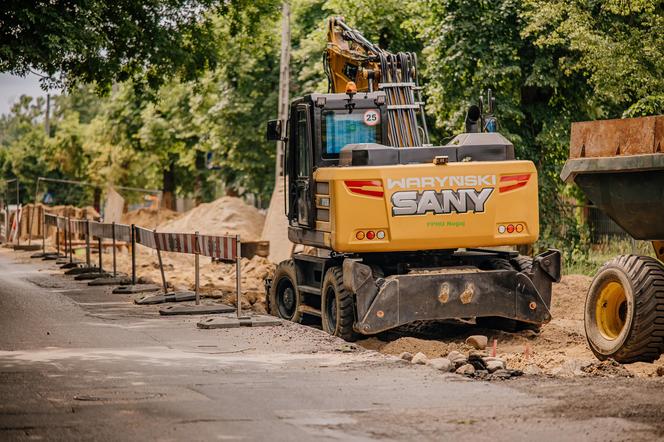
x: 302, y: 144
x: 340, y: 128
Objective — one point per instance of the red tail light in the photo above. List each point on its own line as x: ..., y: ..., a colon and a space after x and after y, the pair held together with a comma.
x: 511, y: 182
x: 365, y: 187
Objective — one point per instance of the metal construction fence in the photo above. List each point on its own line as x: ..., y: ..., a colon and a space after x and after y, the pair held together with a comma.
x: 226, y: 248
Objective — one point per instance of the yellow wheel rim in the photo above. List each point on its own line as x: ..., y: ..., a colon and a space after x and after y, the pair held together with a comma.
x: 611, y: 310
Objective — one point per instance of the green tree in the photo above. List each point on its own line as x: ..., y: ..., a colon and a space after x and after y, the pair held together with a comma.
x: 106, y: 42
x: 617, y: 45
x: 471, y: 46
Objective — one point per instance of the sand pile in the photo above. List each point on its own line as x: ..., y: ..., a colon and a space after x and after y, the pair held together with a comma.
x: 560, y: 348
x: 227, y: 215
x: 149, y: 218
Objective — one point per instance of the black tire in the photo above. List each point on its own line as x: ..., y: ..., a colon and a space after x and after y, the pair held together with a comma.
x: 284, y: 295
x: 521, y: 263
x: 337, y: 306
x: 624, y: 310
x: 496, y: 264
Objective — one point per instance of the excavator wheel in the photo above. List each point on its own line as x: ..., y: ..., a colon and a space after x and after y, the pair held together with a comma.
x: 284, y: 295
x: 337, y: 306
x: 496, y: 264
x: 624, y: 311
x: 521, y: 263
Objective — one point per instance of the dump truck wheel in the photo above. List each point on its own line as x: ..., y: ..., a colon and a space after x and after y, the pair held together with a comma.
x: 624, y: 311
x: 337, y: 306
x: 284, y: 294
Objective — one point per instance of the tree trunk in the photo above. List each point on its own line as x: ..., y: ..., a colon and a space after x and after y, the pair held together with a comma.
x: 168, y: 187
x: 97, y: 199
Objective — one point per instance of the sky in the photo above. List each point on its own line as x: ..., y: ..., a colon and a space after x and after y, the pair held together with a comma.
x: 12, y: 87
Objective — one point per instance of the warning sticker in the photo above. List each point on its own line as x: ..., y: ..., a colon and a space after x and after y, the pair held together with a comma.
x: 371, y: 117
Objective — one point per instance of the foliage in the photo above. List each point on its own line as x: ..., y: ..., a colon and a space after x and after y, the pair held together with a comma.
x: 105, y: 42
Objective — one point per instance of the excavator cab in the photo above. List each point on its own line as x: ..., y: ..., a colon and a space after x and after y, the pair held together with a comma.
x: 319, y: 127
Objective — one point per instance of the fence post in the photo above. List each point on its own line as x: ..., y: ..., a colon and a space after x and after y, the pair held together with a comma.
x: 101, y: 263
x: 161, y: 264
x: 71, y: 251
x: 18, y: 217
x: 88, y: 262
x: 32, y: 215
x: 44, y: 232
x: 57, y: 237
x: 133, y: 254
x: 113, y: 237
x: 197, y: 269
x: 238, y: 282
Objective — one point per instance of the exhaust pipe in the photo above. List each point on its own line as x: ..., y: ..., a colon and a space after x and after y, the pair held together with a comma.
x: 473, y: 116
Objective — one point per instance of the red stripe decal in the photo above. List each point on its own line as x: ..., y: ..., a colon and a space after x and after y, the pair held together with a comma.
x: 363, y: 183
x: 523, y: 177
x: 378, y: 193
x: 517, y: 180
x: 359, y: 187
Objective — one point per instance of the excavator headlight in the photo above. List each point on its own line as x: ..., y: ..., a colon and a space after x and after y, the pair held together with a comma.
x: 320, y: 101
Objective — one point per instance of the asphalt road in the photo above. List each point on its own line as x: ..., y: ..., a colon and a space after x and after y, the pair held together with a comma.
x: 78, y: 363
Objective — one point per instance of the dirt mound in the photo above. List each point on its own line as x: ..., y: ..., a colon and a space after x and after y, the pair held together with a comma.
x: 227, y: 215
x: 559, y: 349
x: 608, y: 368
x: 149, y: 218
x: 431, y: 348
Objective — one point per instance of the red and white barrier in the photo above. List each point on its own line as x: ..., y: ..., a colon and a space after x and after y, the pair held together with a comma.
x: 176, y: 242
x: 220, y: 247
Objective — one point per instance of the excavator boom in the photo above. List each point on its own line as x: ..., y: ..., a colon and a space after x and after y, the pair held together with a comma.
x: 350, y: 57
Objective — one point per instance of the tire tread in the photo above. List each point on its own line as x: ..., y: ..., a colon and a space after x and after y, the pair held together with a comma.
x: 645, y: 342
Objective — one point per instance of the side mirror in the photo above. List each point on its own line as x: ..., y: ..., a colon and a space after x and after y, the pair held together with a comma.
x: 274, y: 130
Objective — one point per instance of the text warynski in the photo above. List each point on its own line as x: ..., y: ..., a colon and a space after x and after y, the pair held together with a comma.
x: 442, y: 181
x: 444, y: 201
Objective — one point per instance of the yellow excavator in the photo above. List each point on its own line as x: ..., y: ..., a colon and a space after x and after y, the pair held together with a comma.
x: 401, y: 230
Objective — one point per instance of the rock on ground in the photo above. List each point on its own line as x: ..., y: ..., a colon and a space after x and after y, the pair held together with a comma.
x: 406, y: 356
x: 495, y: 365
x: 477, y: 341
x: 442, y: 364
x: 466, y: 369
x: 571, y: 368
x: 419, y: 358
x: 532, y: 370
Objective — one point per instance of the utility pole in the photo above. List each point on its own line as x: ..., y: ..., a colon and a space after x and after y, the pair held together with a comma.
x: 47, y: 122
x: 284, y: 81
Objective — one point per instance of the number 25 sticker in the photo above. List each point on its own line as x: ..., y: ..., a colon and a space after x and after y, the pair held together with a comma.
x: 371, y: 117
